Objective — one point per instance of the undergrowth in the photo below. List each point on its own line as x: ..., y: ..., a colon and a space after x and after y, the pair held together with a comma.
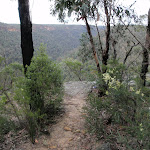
x: 122, y: 116
x: 32, y: 100
x: 5, y: 127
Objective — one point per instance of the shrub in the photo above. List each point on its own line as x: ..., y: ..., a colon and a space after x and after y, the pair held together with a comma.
x: 41, y: 89
x: 33, y: 99
x: 5, y: 126
x: 122, y: 115
x: 44, y: 81
x: 8, y: 75
x: 94, y: 119
x: 75, y: 70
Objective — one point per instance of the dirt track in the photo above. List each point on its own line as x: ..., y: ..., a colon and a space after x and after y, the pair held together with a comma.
x: 69, y: 132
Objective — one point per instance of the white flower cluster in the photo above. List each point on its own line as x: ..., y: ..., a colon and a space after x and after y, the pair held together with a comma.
x: 138, y: 92
x: 112, y: 82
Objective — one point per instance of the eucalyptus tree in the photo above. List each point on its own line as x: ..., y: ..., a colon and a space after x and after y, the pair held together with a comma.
x: 82, y: 9
x: 108, y: 12
x: 26, y: 32
x: 89, y: 10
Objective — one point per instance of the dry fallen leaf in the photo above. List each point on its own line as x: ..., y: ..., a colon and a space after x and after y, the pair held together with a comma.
x: 83, y: 131
x: 52, y: 147
x: 36, y: 141
x: 67, y: 129
x: 71, y: 139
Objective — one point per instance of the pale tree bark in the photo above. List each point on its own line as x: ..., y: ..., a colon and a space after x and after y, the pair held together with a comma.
x: 92, y: 44
x: 26, y: 32
x: 98, y: 33
x: 105, y: 54
x: 146, y: 49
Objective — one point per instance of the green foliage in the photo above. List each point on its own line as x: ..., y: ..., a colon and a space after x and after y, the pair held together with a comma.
x: 41, y: 88
x: 1, y: 60
x: 75, y: 70
x: 94, y: 120
x: 8, y: 75
x: 68, y: 7
x: 5, y: 126
x: 121, y: 115
x: 76, y: 67
x: 60, y: 40
x: 44, y: 80
x: 116, y: 69
x: 29, y: 99
x: 85, y: 53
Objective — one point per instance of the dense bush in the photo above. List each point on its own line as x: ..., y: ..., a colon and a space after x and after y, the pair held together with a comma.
x: 32, y: 100
x: 41, y: 90
x: 5, y: 126
x: 8, y: 75
x: 75, y: 70
x: 44, y: 81
x: 121, y: 116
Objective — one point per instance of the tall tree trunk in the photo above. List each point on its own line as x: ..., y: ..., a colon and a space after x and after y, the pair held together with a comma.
x: 105, y: 54
x: 26, y: 33
x: 100, y: 90
x: 145, y: 62
x: 98, y: 33
x: 92, y: 44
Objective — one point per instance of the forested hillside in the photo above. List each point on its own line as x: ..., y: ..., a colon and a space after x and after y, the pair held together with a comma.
x: 60, y: 39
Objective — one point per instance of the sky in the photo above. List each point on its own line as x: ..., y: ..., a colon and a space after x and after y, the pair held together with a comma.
x: 40, y: 11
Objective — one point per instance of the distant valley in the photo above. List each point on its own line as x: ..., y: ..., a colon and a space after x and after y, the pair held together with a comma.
x: 59, y: 39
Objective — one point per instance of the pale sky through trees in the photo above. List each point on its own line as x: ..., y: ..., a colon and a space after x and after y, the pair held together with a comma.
x: 40, y: 11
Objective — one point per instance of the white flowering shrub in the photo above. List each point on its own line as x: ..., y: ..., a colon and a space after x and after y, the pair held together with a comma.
x: 122, y: 114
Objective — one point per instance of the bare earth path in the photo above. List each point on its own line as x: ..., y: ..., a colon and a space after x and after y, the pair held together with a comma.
x: 69, y: 132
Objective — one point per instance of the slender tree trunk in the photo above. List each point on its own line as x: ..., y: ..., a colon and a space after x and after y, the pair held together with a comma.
x: 114, y: 47
x: 145, y: 62
x: 105, y: 54
x: 98, y: 33
x: 26, y: 33
x: 100, y: 90
x: 99, y: 38
x: 92, y: 44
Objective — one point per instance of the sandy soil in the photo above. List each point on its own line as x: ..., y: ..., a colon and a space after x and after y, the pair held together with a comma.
x: 69, y: 132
